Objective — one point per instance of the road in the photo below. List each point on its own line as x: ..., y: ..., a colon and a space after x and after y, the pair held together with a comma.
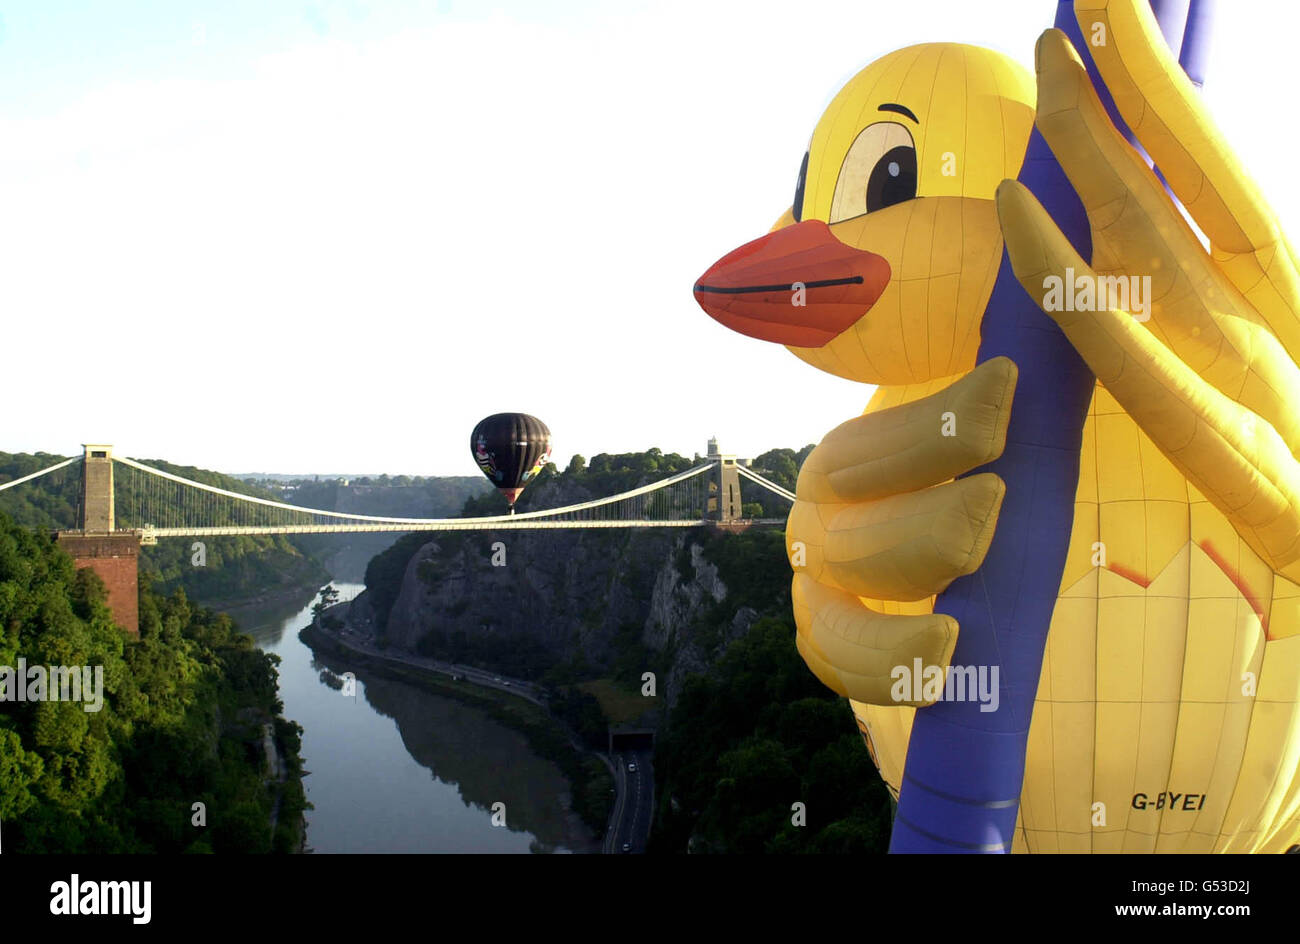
x: 365, y: 644
x: 635, y: 802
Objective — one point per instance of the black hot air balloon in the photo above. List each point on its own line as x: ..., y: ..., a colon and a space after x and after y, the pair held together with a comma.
x: 510, y: 448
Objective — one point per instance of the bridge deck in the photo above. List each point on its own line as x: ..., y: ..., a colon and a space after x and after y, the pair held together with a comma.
x: 455, y: 524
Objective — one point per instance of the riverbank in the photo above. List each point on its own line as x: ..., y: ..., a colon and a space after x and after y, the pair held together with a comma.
x: 588, y: 773
x: 286, y: 597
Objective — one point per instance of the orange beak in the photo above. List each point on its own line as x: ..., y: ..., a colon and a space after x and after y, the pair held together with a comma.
x: 798, y: 286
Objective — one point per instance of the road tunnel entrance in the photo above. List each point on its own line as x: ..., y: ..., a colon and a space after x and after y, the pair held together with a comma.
x: 631, y: 739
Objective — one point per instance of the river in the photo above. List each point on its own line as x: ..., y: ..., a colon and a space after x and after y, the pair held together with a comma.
x: 397, y: 769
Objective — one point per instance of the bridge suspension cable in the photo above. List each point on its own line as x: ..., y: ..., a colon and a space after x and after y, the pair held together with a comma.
x: 37, y: 475
x: 769, y: 485
x: 162, y: 504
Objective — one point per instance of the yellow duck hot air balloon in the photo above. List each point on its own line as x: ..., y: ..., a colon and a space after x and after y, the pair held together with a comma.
x: 1165, y: 681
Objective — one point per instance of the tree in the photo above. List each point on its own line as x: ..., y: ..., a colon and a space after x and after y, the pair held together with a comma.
x: 19, y: 770
x: 178, y: 708
x: 329, y: 595
x: 779, y: 465
x: 577, y: 465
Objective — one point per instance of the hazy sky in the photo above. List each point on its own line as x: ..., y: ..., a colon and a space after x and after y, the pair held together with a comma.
x: 332, y: 236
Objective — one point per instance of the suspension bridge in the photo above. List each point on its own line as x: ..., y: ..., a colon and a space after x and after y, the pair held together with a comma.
x: 123, y: 503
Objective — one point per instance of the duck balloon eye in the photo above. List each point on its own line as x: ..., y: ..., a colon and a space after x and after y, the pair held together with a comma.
x: 878, y: 171
x: 797, y: 207
x: 893, y: 179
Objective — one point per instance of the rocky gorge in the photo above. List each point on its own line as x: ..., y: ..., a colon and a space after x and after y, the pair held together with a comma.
x: 574, y: 604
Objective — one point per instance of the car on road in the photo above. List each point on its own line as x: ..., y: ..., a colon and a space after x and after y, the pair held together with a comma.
x: 631, y: 768
x: 627, y: 847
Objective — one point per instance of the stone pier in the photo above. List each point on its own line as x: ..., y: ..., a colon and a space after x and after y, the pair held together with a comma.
x: 97, y: 544
x: 115, y: 558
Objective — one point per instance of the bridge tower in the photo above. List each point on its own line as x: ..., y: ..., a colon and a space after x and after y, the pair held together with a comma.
x: 97, y: 544
x: 96, y: 512
x: 724, y: 487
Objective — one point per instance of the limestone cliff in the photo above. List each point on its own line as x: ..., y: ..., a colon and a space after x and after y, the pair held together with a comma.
x: 628, y: 601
